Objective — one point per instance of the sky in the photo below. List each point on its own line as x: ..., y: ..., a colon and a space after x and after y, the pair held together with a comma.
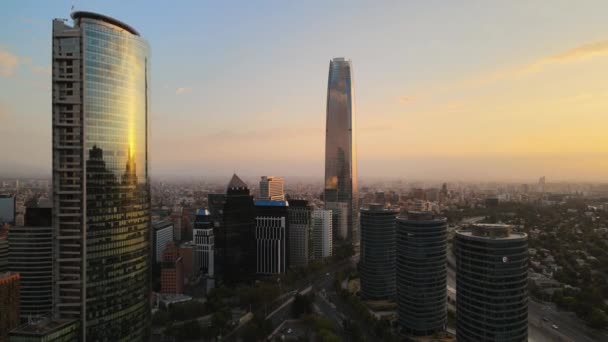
x: 466, y: 90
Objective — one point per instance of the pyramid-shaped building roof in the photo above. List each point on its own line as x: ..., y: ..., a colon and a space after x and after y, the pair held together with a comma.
x: 236, y: 183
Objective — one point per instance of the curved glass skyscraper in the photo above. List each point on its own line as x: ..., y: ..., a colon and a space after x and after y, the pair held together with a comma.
x: 491, y: 283
x: 377, y: 266
x: 101, y: 194
x: 421, y: 273
x: 340, y: 142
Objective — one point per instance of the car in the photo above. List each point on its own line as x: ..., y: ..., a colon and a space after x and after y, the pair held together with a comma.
x: 289, y: 331
x: 545, y: 319
x: 554, y: 327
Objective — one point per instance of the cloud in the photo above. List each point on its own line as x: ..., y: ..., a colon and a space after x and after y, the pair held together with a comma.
x: 183, y: 90
x: 8, y: 64
x: 581, y: 52
x: 572, y: 55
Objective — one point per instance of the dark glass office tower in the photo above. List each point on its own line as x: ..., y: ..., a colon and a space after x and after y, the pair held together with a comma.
x: 340, y: 143
x: 101, y: 192
x: 237, y: 237
x: 491, y: 284
x: 421, y: 273
x: 271, y: 232
x: 377, y: 266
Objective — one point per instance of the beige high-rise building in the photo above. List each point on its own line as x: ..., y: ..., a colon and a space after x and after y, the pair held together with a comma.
x: 272, y: 188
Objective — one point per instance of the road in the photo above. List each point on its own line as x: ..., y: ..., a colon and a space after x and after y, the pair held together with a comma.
x: 570, y: 328
x: 317, y: 281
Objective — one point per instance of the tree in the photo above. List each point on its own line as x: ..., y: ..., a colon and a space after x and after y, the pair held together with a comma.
x: 160, y: 318
x: 302, y: 304
x: 257, y: 329
x: 328, y: 336
x: 220, y: 320
x: 598, y: 319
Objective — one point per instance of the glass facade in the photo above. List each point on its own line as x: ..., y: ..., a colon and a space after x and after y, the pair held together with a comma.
x: 421, y: 273
x: 491, y: 284
x: 112, y: 133
x: 377, y: 266
x: 340, y: 142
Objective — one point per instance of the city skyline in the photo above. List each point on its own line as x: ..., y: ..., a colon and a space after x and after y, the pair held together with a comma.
x: 444, y: 93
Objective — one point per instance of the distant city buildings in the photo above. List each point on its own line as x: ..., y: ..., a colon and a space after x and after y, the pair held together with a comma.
x: 421, y: 273
x: 9, y: 299
x: 377, y: 263
x: 101, y: 196
x: 271, y: 236
x: 176, y: 218
x: 272, y: 188
x: 299, y: 219
x: 491, y: 283
x: 340, y: 143
x: 541, y: 184
x: 322, y: 240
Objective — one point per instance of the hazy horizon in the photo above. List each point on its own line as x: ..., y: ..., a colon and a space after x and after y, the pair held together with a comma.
x: 454, y: 92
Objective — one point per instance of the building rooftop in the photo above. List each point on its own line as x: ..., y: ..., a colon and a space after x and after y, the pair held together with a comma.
x: 162, y: 224
x: 377, y: 207
x: 236, y: 183
x: 42, y: 326
x: 270, y: 203
x: 492, y: 231
x: 203, y: 212
x: 421, y: 216
x: 96, y: 16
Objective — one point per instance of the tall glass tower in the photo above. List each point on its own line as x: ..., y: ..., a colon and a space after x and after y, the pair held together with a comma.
x: 340, y: 143
x: 101, y: 192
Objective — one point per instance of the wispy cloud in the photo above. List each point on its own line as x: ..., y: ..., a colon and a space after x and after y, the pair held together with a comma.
x: 8, y: 63
x: 572, y: 55
x: 183, y: 90
x: 576, y: 54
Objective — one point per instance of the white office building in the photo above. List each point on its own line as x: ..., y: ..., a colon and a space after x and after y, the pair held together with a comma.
x: 321, y: 234
x: 162, y: 234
